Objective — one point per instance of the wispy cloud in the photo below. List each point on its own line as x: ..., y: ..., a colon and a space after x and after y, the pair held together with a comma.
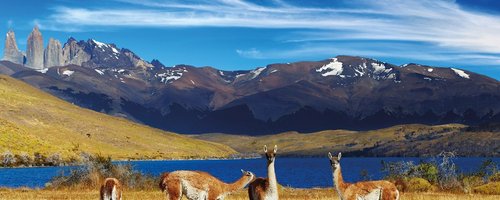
x: 440, y: 23
x: 250, y: 53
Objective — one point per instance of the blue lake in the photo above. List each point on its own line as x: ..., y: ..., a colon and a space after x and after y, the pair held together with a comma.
x: 293, y: 172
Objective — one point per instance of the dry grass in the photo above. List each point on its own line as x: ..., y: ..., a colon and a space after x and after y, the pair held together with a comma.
x: 295, y: 194
x: 409, y: 140
x: 34, y: 121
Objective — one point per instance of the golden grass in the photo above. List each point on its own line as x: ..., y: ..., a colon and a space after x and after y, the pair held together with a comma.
x: 424, y: 139
x: 34, y: 121
x: 291, y: 194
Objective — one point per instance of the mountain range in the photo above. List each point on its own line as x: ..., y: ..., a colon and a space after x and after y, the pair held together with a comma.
x: 344, y: 92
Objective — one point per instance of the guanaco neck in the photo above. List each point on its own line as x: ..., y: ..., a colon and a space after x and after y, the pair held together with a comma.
x: 271, y: 175
x: 239, y: 184
x: 340, y: 185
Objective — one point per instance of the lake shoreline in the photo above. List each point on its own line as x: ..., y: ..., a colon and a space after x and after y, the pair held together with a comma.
x: 241, y: 158
x: 293, y: 172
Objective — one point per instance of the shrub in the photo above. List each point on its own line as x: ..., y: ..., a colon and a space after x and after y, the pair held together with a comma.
x: 404, y: 170
x: 91, y: 174
x: 54, y: 159
x: 418, y: 185
x: 397, y: 170
x: 447, y: 171
x: 492, y: 188
x: 469, y: 182
x: 487, y: 168
x: 427, y: 171
x: 38, y: 159
x: 8, y: 159
x: 24, y: 159
x: 495, y: 177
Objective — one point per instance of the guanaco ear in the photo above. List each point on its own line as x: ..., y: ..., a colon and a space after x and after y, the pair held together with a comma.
x: 339, y: 156
x: 242, y: 171
x: 275, y: 148
x: 330, y: 155
x: 265, y: 148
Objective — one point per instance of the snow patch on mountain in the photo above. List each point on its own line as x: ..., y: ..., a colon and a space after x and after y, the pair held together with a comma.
x: 461, y: 73
x: 360, y: 70
x: 239, y: 75
x: 43, y: 71
x: 115, y: 51
x: 333, y: 68
x: 102, y: 45
x: 430, y: 70
x: 99, y: 44
x: 380, y: 68
x: 171, y: 75
x: 257, y: 72
x: 99, y: 71
x: 68, y: 72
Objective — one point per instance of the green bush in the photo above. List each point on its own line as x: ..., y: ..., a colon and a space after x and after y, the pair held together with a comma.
x: 492, y: 188
x: 427, y: 171
x: 418, y: 185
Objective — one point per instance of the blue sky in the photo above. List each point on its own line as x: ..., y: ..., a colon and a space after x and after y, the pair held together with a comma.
x: 234, y: 34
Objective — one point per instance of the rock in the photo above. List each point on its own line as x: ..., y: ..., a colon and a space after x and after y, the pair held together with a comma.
x: 74, y: 54
x: 157, y: 64
x: 53, y: 54
x: 137, y: 61
x: 11, y: 52
x: 34, y: 50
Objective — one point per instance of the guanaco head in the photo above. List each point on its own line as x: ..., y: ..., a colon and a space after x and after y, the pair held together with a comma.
x: 248, y: 174
x: 270, y: 155
x: 163, y: 182
x: 334, y: 161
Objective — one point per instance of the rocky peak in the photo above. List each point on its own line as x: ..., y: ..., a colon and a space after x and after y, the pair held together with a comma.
x: 53, y: 55
x: 34, y: 50
x: 157, y: 64
x: 74, y: 53
x: 11, y: 52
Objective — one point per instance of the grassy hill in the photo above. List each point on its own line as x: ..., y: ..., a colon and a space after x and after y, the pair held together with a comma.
x: 34, y: 121
x: 402, y: 140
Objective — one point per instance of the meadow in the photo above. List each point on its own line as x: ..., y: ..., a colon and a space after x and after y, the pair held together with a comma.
x: 286, y: 193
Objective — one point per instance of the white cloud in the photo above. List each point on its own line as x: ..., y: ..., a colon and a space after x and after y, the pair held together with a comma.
x: 441, y: 23
x: 250, y: 53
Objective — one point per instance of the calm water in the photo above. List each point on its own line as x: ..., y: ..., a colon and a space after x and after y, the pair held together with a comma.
x: 294, y: 172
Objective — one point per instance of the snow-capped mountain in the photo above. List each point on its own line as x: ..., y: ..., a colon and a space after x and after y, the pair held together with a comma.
x: 341, y: 92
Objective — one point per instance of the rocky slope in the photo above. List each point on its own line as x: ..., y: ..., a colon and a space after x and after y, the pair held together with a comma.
x: 343, y: 92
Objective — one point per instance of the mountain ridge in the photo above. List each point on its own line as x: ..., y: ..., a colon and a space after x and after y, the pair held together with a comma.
x: 344, y: 92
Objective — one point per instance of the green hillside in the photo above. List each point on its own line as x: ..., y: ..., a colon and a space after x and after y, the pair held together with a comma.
x: 402, y: 140
x: 34, y: 121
